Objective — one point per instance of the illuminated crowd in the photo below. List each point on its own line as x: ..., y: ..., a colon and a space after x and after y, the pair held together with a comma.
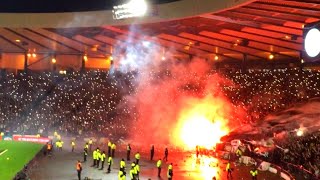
x: 90, y: 101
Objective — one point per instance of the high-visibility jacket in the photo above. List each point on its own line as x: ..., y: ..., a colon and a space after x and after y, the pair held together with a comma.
x: 98, y: 155
x: 78, y: 166
x: 102, y: 156
x: 73, y: 144
x: 86, y: 146
x: 254, y: 173
x: 121, y: 176
x: 55, y: 133
x: 170, y: 167
x: 169, y: 173
x: 137, y: 156
x: 61, y: 143
x: 58, y: 137
x: 128, y: 148
x: 109, y: 144
x: 228, y: 166
x: 239, y: 152
x: 90, y: 141
x: 159, y: 163
x: 122, y: 164
x: 94, y: 154
x: 110, y: 161
x: 38, y: 135
x: 113, y: 146
x: 137, y: 168
x: 57, y: 144
x: 132, y: 172
x: 133, y: 164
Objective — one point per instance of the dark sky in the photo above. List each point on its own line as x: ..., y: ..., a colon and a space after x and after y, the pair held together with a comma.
x: 38, y: 6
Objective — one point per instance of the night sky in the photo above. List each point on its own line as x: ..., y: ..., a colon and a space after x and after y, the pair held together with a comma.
x: 42, y: 6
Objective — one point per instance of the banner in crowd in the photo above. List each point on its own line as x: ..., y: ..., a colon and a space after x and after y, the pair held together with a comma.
x: 30, y: 138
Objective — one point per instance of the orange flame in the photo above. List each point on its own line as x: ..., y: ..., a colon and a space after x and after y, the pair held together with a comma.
x: 203, y: 122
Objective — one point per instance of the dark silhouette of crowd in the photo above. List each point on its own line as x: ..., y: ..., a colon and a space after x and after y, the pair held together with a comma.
x: 299, y: 154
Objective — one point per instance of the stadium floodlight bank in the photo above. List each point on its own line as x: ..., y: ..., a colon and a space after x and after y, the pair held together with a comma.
x: 134, y: 8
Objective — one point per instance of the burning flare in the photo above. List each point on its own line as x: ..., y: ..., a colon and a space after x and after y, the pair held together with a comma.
x: 202, y: 123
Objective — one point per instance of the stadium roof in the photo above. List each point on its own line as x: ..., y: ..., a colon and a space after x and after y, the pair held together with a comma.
x: 256, y: 28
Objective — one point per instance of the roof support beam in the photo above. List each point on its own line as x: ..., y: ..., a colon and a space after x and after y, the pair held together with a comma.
x: 222, y: 44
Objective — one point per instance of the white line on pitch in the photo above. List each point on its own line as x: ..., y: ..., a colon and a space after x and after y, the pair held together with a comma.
x: 3, y: 152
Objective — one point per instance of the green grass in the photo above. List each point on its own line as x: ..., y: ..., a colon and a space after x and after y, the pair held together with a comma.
x: 19, y: 154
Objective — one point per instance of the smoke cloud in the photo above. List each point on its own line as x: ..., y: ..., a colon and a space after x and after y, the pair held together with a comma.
x: 173, y: 96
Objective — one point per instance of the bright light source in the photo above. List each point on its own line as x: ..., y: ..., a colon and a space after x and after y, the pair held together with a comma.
x: 146, y: 43
x: 85, y: 58
x: 216, y: 58
x: 34, y: 55
x: 271, y: 56
x: 302, y: 61
x: 163, y: 58
x: 62, y: 72
x: 111, y: 58
x: 29, y: 55
x: 134, y: 8
x: 18, y: 40
x: 312, y: 42
x: 138, y: 7
x: 299, y: 132
x: 53, y: 60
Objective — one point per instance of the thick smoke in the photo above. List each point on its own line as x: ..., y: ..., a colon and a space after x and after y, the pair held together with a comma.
x: 169, y: 91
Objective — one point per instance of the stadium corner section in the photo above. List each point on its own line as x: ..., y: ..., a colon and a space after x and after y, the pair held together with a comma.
x: 17, y: 153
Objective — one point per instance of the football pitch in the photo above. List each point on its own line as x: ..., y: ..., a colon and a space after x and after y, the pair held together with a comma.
x: 14, y: 155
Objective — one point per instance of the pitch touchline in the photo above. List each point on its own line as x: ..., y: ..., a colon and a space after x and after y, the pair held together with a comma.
x: 3, y: 152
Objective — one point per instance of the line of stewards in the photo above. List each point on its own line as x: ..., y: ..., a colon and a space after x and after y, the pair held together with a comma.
x: 79, y: 169
x: 254, y: 174
x: 133, y: 171
x: 98, y: 158
x: 229, y: 170
x: 113, y: 149
x: 122, y: 165
x: 110, y: 162
x: 86, y: 146
x: 59, y: 144
x: 90, y: 144
x: 122, y: 175
x: 159, y: 164
x: 73, y: 144
x: 137, y: 156
x: 85, y: 154
x: 170, y: 172
x: 128, y: 152
x: 102, y: 159
x: 109, y: 148
x: 95, y: 156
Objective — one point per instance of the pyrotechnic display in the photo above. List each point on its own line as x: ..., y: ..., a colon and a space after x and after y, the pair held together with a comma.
x: 177, y: 102
x: 160, y: 89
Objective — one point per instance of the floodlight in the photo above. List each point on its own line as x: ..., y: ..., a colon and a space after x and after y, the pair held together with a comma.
x: 311, y: 43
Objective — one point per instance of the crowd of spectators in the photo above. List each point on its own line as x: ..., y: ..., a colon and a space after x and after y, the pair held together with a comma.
x: 70, y: 103
x: 90, y: 100
x: 299, y: 154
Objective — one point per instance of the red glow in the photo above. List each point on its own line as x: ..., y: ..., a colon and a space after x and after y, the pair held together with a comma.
x: 185, y: 109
